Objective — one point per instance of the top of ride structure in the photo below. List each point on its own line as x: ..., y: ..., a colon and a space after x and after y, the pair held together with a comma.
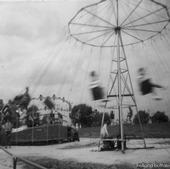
x: 99, y: 24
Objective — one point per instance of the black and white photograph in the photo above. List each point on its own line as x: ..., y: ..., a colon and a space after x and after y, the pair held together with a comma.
x: 84, y: 84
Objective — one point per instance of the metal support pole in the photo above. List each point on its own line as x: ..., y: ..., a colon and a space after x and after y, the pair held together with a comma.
x: 133, y: 97
x: 102, y: 122
x: 119, y: 90
x: 15, y: 163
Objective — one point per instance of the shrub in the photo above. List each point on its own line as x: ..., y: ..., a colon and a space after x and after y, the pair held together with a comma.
x: 159, y: 117
x: 144, y: 117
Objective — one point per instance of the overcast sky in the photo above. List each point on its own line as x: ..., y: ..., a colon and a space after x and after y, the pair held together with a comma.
x: 35, y: 51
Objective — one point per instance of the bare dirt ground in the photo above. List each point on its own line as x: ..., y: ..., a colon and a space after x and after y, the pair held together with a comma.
x: 86, y: 151
x: 5, y: 161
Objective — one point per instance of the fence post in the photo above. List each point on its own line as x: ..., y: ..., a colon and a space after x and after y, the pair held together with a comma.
x: 14, y: 162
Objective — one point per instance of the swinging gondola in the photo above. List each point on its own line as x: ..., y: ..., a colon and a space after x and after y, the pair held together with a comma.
x: 146, y: 86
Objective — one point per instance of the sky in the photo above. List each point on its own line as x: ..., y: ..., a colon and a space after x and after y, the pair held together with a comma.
x: 36, y: 51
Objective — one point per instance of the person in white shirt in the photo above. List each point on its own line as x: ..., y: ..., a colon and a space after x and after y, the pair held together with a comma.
x: 104, y: 132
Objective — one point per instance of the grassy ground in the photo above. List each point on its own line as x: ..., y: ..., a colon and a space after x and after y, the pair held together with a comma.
x: 150, y: 131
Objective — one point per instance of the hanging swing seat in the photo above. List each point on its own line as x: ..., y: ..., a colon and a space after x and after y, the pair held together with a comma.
x: 97, y: 93
x: 146, y: 87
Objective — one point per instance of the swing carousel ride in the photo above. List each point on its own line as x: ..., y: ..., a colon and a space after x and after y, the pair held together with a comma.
x: 116, y: 25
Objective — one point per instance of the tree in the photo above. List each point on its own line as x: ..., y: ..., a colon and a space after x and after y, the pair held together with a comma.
x: 1, y: 104
x: 32, y: 118
x: 144, y: 117
x: 14, y: 115
x: 87, y: 117
x: 159, y: 117
x: 9, y: 112
x: 48, y: 102
x: 97, y: 118
x: 1, y: 107
x: 32, y: 109
x: 107, y: 118
x: 22, y: 100
x: 82, y: 114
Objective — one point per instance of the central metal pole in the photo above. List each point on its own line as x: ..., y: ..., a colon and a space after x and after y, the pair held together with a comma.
x: 118, y: 32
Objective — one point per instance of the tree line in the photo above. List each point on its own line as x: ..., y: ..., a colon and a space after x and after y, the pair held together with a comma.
x: 85, y: 116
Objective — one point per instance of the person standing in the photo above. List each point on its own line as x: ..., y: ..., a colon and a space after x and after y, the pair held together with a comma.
x: 104, y: 132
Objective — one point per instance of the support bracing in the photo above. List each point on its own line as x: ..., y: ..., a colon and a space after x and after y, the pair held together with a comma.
x: 122, y: 90
x: 117, y: 24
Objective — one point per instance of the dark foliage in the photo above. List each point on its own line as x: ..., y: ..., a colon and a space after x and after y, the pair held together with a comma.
x: 22, y: 100
x: 9, y: 113
x: 48, y: 102
x: 32, y: 109
x: 144, y: 117
x: 1, y: 104
x: 14, y: 116
x: 32, y: 118
x: 159, y: 117
x: 106, y: 119
x: 82, y: 114
x: 97, y: 118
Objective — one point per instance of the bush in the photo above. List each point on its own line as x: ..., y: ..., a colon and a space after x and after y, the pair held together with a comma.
x: 97, y: 120
x: 144, y: 117
x: 159, y: 117
x: 82, y: 114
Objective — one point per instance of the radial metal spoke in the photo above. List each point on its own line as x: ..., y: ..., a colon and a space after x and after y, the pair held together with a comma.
x: 103, y: 34
x: 117, y: 12
x: 149, y: 14
x: 114, y: 12
x: 89, y: 32
x: 131, y: 13
x: 99, y: 17
x: 132, y: 35
x: 89, y: 25
x: 135, y: 26
x: 147, y: 10
x: 161, y: 4
x: 108, y: 38
x: 145, y: 24
x: 142, y: 30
